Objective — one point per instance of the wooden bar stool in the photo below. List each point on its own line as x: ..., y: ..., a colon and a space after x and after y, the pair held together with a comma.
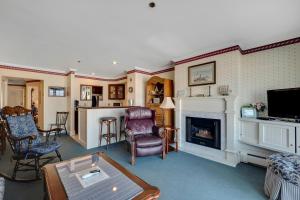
x: 108, y: 121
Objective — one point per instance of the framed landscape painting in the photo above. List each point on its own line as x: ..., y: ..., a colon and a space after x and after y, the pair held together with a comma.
x: 203, y: 74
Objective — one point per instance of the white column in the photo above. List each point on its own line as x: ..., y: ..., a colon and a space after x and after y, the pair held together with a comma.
x: 231, y: 118
x: 71, y: 98
x: 3, y: 92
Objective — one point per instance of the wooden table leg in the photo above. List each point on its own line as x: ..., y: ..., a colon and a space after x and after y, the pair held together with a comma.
x: 167, y: 141
x: 176, y: 142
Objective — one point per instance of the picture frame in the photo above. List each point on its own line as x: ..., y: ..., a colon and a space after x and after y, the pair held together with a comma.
x: 248, y: 112
x: 116, y: 91
x: 85, y: 92
x: 202, y: 74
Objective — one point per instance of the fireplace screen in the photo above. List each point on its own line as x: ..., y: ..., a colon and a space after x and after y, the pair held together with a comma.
x: 203, y: 131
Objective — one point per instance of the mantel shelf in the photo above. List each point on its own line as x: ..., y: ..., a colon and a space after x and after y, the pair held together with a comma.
x: 206, y: 97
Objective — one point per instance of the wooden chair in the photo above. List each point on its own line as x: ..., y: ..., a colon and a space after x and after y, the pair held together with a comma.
x: 61, y: 120
x: 2, y: 137
x: 26, y: 141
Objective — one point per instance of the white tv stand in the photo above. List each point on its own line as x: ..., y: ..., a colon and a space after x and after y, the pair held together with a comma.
x: 275, y: 135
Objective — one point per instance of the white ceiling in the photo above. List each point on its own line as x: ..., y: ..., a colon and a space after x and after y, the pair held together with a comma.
x: 56, y: 33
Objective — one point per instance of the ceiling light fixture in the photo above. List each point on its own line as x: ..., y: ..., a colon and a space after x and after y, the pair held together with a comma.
x: 151, y: 4
x: 114, y: 62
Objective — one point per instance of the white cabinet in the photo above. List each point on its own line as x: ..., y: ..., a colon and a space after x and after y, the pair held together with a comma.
x: 274, y: 135
x: 298, y: 140
x: 277, y: 137
x: 249, y: 132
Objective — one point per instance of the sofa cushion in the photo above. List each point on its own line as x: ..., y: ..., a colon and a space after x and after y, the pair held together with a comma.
x: 1, y: 188
x: 143, y: 141
x: 286, y: 165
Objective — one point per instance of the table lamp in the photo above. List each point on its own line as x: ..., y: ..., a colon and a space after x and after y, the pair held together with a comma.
x: 165, y: 105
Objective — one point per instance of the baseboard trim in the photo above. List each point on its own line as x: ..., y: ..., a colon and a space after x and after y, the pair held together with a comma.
x: 232, y: 162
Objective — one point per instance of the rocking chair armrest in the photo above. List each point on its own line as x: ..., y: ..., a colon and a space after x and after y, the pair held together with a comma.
x: 27, y: 137
x: 50, y: 130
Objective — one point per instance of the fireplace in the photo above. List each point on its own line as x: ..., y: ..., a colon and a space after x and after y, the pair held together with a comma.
x: 204, y: 131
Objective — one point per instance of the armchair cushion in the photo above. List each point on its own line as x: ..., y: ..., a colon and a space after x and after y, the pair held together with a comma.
x: 139, y: 113
x: 143, y: 141
x: 141, y: 126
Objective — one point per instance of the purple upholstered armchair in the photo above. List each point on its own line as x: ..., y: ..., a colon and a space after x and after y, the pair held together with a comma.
x: 144, y: 137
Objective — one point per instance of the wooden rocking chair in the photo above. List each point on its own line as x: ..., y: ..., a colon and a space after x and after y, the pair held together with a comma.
x: 26, y: 142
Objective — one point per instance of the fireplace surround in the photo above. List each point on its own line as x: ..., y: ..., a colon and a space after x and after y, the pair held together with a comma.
x: 215, y: 107
x: 204, y: 131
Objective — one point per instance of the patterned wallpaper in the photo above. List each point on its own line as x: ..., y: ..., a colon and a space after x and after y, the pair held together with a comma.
x: 250, y: 75
x: 271, y: 69
x: 227, y: 66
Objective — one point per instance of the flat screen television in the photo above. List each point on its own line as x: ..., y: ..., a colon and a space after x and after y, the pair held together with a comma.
x: 284, y: 103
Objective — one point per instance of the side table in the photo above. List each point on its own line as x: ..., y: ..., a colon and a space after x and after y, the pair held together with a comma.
x: 168, y: 131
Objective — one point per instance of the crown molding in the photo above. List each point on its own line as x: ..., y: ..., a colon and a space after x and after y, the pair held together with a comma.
x: 271, y: 46
x: 100, y: 78
x: 10, y: 66
x: 145, y: 71
x: 23, y: 68
x: 150, y: 73
x: 243, y: 52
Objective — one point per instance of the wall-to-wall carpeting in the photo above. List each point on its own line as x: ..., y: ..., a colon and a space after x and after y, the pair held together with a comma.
x: 180, y: 176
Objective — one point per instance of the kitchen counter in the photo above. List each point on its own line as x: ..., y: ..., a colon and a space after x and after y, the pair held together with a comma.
x: 89, y: 126
x: 106, y: 107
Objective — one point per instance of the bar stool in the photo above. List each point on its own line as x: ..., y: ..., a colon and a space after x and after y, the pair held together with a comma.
x: 122, y: 127
x: 108, y: 121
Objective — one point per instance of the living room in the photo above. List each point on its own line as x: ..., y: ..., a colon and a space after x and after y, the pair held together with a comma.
x: 219, y: 97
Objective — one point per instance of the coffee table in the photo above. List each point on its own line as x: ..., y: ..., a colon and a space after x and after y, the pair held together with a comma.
x: 55, y: 190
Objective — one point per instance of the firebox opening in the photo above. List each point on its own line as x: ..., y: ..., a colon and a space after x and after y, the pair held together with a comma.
x: 204, y: 131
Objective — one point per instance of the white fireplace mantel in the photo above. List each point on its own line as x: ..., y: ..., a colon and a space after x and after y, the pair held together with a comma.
x: 216, y: 107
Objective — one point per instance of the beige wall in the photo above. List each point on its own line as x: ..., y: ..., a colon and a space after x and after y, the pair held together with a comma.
x: 138, y: 81
x: 167, y: 75
x: 15, y: 95
x: 35, y: 95
x: 140, y: 88
x: 52, y: 104
x: 104, y: 84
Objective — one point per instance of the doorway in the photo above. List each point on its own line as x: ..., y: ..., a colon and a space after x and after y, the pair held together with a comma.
x: 26, y: 93
x: 15, y: 95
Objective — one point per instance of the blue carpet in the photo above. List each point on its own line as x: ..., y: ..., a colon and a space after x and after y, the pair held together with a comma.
x: 180, y: 176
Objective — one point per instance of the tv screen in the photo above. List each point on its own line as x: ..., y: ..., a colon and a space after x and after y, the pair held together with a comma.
x: 284, y: 103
